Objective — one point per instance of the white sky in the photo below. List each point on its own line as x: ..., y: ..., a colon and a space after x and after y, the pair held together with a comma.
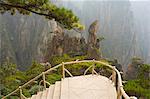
x: 104, y: 0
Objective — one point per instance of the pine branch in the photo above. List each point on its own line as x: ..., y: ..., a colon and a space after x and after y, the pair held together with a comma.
x: 25, y: 8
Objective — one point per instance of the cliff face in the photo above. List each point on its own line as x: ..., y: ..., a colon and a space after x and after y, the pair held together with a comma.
x: 23, y: 38
x: 141, y: 11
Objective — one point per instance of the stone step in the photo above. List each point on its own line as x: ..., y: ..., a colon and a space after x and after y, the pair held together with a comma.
x: 33, y: 97
x: 64, y: 90
x: 57, y: 90
x: 39, y: 95
x: 87, y: 87
x: 45, y: 92
x: 80, y: 87
x: 50, y: 92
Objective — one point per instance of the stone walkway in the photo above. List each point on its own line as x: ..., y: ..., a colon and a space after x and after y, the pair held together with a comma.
x: 80, y: 87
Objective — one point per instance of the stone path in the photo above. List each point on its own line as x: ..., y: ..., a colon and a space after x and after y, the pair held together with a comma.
x: 80, y: 87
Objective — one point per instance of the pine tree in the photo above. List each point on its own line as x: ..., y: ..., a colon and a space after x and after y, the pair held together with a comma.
x: 41, y: 7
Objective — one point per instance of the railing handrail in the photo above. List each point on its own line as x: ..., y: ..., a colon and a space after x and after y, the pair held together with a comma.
x: 121, y: 86
x: 35, y: 78
x: 74, y: 62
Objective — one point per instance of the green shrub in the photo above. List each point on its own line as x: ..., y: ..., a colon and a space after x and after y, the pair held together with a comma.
x: 141, y: 85
x: 52, y: 78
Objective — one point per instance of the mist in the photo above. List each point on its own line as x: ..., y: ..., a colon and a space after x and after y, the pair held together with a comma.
x: 124, y: 25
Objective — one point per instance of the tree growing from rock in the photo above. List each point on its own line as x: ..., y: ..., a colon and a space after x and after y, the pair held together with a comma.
x: 41, y: 7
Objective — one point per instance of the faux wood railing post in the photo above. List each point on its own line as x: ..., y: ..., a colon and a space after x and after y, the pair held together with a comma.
x: 114, y: 76
x: 93, y: 67
x: 20, y: 92
x: 119, y: 94
x: 44, y: 80
x: 63, y: 70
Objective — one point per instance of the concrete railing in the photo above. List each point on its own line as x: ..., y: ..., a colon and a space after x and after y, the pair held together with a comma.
x: 120, y: 90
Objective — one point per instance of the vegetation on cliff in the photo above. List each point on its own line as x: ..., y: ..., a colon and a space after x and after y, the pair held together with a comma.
x: 11, y: 77
x: 138, y: 79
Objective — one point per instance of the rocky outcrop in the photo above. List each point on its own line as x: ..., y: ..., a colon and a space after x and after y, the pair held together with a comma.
x: 93, y: 42
x: 133, y: 68
x: 92, y: 38
x: 63, y: 42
